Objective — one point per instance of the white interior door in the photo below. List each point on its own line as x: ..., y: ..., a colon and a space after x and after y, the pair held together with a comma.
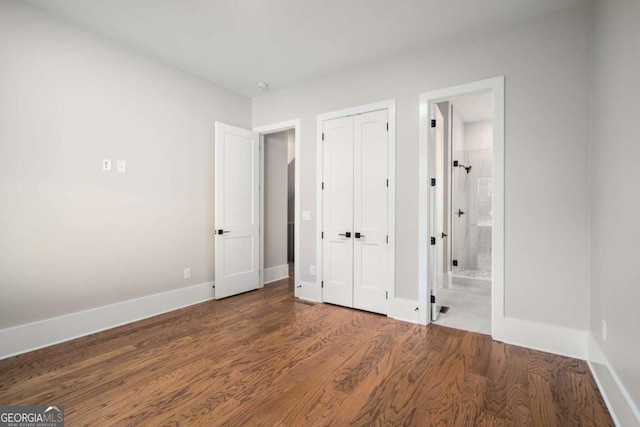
x: 437, y: 211
x: 370, y: 211
x: 337, y: 212
x: 237, y: 210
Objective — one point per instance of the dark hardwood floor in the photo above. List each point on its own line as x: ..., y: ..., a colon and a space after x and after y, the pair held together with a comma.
x: 264, y: 358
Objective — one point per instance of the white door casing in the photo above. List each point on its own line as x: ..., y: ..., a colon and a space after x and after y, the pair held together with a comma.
x: 337, y: 211
x: 236, y: 210
x: 370, y: 251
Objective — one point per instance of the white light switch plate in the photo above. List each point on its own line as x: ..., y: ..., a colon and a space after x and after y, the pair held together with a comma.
x: 306, y: 215
x: 122, y: 166
x: 106, y: 164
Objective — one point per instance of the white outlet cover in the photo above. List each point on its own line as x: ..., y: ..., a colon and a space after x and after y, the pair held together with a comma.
x: 122, y: 166
x: 187, y: 273
x: 306, y: 215
x: 312, y: 270
x: 106, y: 164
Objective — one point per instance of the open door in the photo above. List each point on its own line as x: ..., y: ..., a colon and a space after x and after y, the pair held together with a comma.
x: 237, y: 211
x: 436, y: 252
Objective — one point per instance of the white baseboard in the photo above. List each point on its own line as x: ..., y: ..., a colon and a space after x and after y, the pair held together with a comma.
x: 408, y: 311
x: 273, y: 274
x: 44, y: 333
x: 622, y: 408
x: 540, y: 336
x: 309, y: 291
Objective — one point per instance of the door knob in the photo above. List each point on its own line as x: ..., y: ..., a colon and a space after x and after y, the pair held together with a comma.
x: 346, y: 234
x: 443, y: 235
x: 358, y: 235
x: 221, y: 231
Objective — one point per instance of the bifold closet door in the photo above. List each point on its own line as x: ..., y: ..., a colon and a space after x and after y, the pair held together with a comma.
x: 337, y: 211
x: 370, y: 211
x: 354, y: 210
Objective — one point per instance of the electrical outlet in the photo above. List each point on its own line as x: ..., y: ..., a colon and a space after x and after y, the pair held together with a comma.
x: 604, y: 330
x: 312, y: 270
x: 187, y: 273
x: 122, y: 166
x: 106, y: 164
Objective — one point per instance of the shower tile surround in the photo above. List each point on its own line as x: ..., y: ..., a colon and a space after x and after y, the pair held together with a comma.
x: 471, y: 232
x: 468, y: 295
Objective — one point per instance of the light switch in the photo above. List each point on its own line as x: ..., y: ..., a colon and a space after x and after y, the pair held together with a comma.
x: 122, y: 166
x: 106, y: 164
x: 306, y: 215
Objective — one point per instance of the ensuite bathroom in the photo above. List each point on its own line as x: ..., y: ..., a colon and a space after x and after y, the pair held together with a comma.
x: 465, y: 292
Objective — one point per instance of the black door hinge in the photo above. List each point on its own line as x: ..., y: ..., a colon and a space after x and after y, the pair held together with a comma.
x: 387, y: 126
x: 433, y: 299
x: 387, y: 183
x: 433, y: 182
x: 455, y: 262
x: 322, y: 284
x: 387, y: 239
x: 322, y: 234
x: 433, y: 240
x: 433, y: 123
x: 323, y: 136
x: 323, y: 185
x: 386, y: 294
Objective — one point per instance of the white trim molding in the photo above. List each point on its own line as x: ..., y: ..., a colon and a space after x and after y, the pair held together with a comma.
x: 265, y: 130
x: 622, y: 408
x: 427, y: 100
x: 544, y: 337
x: 390, y: 106
x: 309, y: 291
x: 44, y: 333
x: 408, y: 310
x: 273, y: 274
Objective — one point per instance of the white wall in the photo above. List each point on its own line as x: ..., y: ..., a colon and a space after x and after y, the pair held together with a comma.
x: 546, y: 64
x: 275, y: 199
x: 73, y: 237
x: 615, y: 186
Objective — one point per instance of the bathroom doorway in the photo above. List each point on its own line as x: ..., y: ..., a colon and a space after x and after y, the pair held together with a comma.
x: 464, y: 218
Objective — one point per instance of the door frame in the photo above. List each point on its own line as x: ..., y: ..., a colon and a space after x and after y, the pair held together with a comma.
x: 266, y: 130
x: 390, y: 106
x: 496, y: 87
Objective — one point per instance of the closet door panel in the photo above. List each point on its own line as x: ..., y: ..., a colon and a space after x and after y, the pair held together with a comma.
x: 337, y: 214
x: 370, y: 211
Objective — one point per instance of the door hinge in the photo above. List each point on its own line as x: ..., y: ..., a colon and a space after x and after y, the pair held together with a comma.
x: 387, y: 239
x: 455, y: 262
x: 323, y: 136
x: 433, y: 299
x: 386, y: 294
x: 433, y: 123
x: 387, y: 127
x: 322, y: 234
x: 433, y: 182
x: 387, y: 182
x: 433, y: 240
x: 323, y: 185
x: 322, y: 284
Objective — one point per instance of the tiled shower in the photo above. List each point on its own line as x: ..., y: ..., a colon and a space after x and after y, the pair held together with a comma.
x: 471, y: 196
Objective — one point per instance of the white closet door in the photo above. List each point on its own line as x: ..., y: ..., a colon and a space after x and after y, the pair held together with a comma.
x: 337, y: 211
x: 370, y: 211
x: 237, y: 216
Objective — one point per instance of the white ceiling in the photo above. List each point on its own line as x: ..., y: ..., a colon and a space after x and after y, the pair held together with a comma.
x: 237, y: 43
x: 475, y: 108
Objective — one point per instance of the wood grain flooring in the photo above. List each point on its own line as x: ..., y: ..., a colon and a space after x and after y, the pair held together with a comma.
x: 264, y: 358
